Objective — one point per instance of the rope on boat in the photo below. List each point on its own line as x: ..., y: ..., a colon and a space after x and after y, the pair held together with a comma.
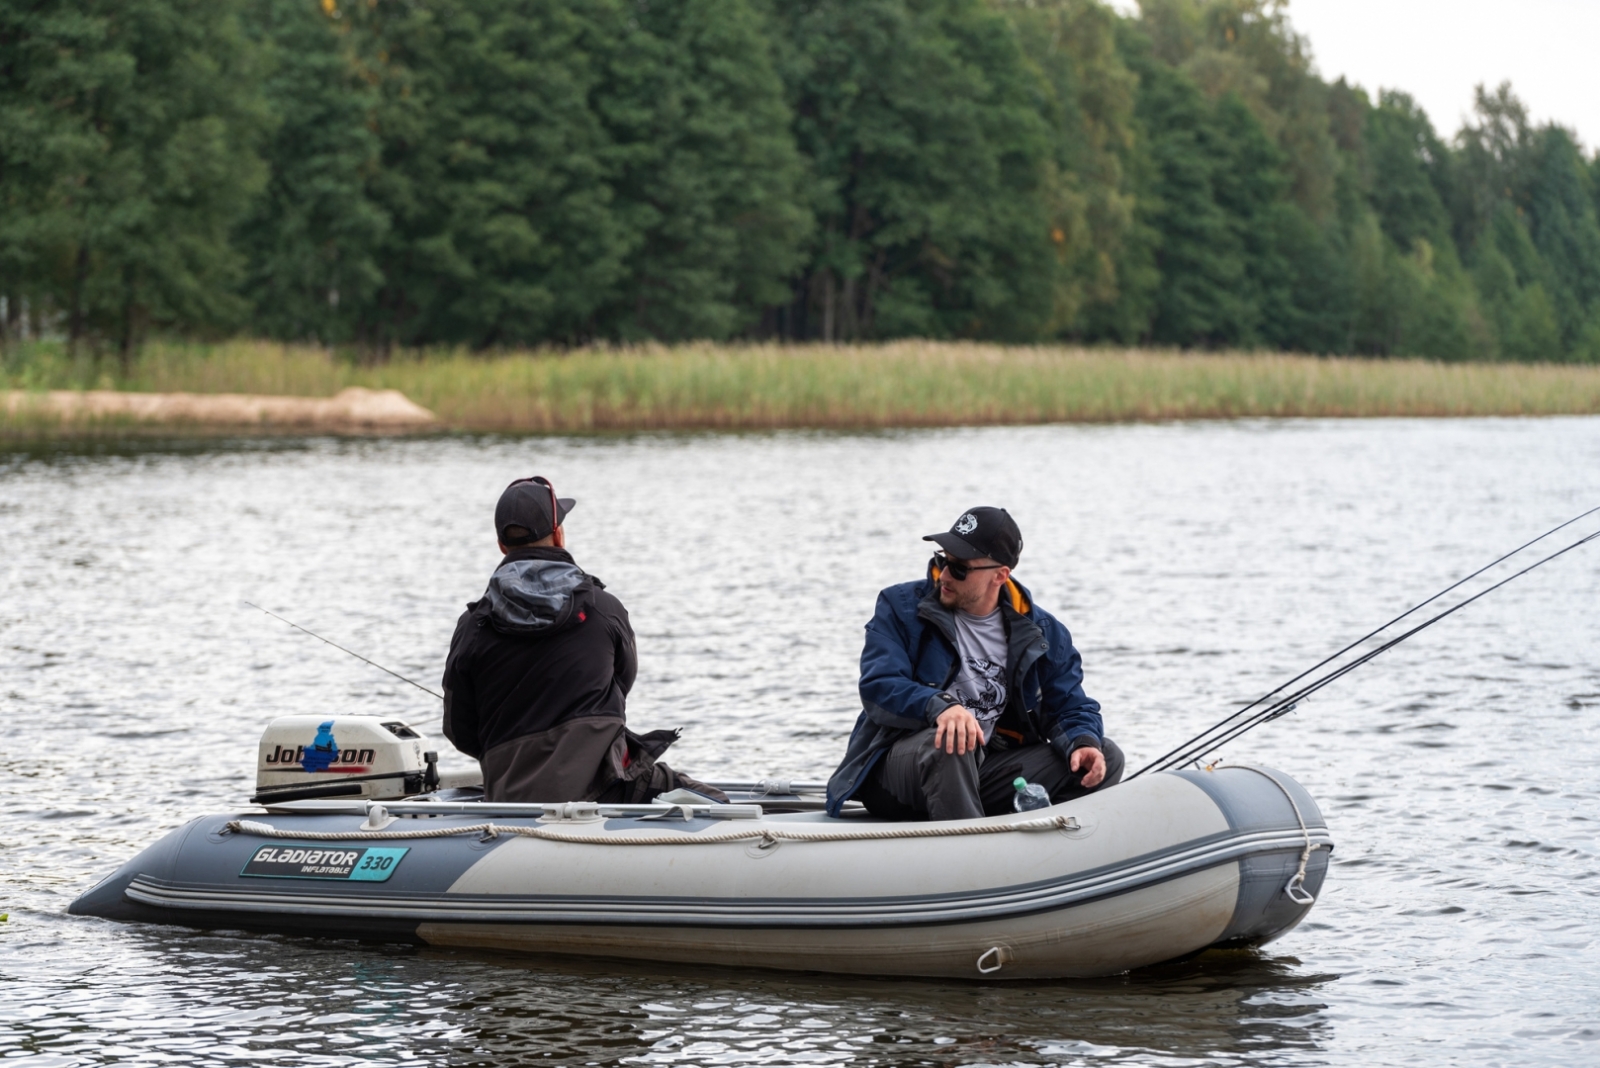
x: 766, y: 838
x: 1296, y: 886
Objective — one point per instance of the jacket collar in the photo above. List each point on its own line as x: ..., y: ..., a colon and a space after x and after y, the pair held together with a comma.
x: 930, y: 611
x: 538, y: 552
x: 1025, y: 642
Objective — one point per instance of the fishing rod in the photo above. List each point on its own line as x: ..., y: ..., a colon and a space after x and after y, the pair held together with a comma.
x: 1370, y: 634
x: 1288, y: 703
x: 1210, y: 738
x: 342, y: 649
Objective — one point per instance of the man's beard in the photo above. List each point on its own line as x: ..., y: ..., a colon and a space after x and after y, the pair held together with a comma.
x: 953, y: 599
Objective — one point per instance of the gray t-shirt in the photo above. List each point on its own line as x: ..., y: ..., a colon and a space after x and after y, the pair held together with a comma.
x: 980, y: 683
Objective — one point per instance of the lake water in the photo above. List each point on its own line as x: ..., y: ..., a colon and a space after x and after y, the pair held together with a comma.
x: 1196, y: 564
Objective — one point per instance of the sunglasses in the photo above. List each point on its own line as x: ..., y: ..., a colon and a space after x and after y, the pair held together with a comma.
x: 958, y: 569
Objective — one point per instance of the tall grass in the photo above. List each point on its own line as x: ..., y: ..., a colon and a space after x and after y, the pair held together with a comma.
x: 908, y: 383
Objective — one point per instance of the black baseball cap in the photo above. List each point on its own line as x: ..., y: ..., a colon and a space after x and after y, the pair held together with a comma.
x: 530, y: 503
x: 982, y: 531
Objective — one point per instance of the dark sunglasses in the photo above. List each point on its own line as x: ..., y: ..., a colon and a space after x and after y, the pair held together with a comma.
x: 958, y: 569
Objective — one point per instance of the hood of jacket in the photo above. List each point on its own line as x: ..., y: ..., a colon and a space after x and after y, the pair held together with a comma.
x: 537, y: 591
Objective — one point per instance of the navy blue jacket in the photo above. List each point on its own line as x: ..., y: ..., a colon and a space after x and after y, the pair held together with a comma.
x: 909, y: 662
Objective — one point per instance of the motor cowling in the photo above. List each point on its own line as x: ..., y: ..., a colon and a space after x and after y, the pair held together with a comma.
x: 344, y: 756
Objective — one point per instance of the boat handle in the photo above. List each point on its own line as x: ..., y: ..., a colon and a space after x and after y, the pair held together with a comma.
x: 1297, y: 892
x: 1295, y: 888
x: 998, y: 953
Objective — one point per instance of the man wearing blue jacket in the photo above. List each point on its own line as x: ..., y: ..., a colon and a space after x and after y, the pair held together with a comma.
x: 966, y: 685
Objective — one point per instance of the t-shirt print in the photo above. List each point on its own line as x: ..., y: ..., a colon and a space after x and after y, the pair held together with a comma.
x: 982, y: 691
x: 980, y: 683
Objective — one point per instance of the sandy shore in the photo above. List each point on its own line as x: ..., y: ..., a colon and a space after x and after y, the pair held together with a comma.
x: 351, y: 410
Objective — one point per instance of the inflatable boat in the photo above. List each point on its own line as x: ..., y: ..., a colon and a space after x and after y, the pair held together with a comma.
x: 1150, y: 870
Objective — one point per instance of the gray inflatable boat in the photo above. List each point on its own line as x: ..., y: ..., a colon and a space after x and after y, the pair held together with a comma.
x: 1147, y: 871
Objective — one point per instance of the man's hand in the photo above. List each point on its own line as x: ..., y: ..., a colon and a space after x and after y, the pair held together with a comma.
x: 958, y: 731
x: 1091, y: 762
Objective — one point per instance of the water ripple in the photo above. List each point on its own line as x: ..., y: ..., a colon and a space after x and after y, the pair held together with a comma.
x: 1197, y: 565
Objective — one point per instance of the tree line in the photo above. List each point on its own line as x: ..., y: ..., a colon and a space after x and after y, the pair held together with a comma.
x: 491, y: 173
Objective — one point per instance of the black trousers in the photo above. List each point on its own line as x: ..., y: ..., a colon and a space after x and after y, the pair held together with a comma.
x: 915, y: 781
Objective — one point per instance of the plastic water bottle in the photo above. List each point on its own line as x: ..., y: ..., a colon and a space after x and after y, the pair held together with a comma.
x: 1029, y: 795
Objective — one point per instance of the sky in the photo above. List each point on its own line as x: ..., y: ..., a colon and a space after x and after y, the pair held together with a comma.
x: 1437, y: 50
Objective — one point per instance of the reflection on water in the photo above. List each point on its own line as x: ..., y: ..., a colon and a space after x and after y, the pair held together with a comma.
x: 243, y: 997
x: 1196, y: 565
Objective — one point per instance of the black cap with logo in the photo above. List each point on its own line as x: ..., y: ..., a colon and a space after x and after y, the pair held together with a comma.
x: 532, y: 504
x: 980, y: 532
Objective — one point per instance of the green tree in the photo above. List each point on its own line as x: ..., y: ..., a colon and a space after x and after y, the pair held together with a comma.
x: 707, y: 170
x: 1416, y: 299
x: 1201, y: 298
x: 1404, y: 155
x: 1309, y: 304
x: 923, y: 130
x: 1492, y: 161
x: 1088, y: 193
x: 50, y: 53
x: 311, y: 239
x: 1561, y: 219
x: 1250, y: 188
x: 1241, y: 260
x: 493, y: 172
x: 174, y: 103
x: 129, y: 137
x: 1512, y: 280
x: 509, y: 172
x: 1412, y: 303
x: 1248, y: 48
x: 562, y: 171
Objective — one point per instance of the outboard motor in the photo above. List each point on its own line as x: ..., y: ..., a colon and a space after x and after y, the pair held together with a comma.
x: 344, y: 756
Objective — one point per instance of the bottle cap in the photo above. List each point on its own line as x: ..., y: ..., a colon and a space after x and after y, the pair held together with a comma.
x: 1019, y: 783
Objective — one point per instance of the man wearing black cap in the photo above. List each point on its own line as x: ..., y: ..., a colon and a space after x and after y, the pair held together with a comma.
x: 536, y: 683
x: 967, y: 685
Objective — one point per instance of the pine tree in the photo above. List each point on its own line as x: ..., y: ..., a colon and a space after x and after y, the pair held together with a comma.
x: 923, y: 132
x: 493, y: 172
x: 1101, y: 264
x: 1201, y: 299
x: 1562, y: 222
x: 126, y: 157
x: 51, y: 57
x: 311, y: 240
x: 1401, y: 148
x: 706, y: 171
x: 169, y: 89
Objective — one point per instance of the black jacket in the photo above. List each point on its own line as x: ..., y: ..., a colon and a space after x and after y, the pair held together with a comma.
x: 536, y: 683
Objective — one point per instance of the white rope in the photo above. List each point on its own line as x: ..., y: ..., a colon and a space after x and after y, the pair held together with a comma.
x: 1296, y: 886
x: 771, y: 835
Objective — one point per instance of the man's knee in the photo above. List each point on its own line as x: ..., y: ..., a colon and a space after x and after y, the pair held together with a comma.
x: 932, y: 759
x: 1114, y: 763
x: 938, y: 772
x: 918, y: 776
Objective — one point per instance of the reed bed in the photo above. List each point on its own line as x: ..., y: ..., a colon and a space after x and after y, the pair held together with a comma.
x: 900, y: 384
